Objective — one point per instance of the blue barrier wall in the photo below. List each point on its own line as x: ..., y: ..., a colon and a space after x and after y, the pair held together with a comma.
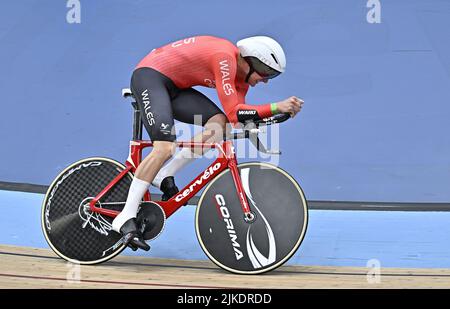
x: 376, y: 119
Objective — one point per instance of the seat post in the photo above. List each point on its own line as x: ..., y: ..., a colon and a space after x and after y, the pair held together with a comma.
x: 137, y: 122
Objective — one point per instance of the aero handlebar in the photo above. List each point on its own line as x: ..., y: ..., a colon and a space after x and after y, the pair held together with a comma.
x: 252, y: 129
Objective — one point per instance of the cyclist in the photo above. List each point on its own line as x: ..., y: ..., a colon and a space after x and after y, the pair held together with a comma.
x: 162, y: 85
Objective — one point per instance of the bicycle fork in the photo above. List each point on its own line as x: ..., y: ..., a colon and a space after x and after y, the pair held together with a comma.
x: 230, y: 155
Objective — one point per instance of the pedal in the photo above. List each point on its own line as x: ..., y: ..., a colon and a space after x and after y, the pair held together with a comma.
x: 133, y: 247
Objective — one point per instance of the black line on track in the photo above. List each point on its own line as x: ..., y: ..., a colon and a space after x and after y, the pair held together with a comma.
x: 316, y: 205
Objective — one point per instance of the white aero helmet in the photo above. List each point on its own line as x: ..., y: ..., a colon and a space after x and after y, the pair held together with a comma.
x: 264, y: 55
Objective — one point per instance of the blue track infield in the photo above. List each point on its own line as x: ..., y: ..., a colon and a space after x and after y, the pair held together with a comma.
x: 334, y: 238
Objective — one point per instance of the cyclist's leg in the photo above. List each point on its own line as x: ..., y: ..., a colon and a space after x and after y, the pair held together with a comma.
x: 153, y: 94
x: 191, y: 106
x: 192, y: 103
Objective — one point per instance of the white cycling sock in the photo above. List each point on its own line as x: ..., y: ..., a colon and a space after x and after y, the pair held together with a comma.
x: 180, y: 160
x: 137, y: 190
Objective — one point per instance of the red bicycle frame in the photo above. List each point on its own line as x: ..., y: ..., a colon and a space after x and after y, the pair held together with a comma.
x: 226, y: 159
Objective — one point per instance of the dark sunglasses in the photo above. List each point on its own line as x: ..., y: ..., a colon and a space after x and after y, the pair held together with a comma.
x: 262, y: 69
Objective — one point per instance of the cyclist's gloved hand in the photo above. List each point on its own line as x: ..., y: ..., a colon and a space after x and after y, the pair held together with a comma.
x: 291, y: 105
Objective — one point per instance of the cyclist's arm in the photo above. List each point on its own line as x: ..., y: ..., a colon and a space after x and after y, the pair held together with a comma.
x: 233, y: 101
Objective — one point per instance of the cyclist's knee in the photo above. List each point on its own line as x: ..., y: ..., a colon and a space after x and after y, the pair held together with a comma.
x: 218, y: 119
x: 163, y: 149
x: 217, y: 124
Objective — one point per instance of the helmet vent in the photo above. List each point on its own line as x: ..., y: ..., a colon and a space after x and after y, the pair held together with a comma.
x: 273, y: 56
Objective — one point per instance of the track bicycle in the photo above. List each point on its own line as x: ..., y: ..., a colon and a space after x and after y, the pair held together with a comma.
x: 250, y: 218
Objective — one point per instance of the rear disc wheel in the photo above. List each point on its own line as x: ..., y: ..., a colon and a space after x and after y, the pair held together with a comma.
x: 70, y: 228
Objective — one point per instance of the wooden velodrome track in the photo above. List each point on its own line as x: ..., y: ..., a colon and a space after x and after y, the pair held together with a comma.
x: 23, y: 267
